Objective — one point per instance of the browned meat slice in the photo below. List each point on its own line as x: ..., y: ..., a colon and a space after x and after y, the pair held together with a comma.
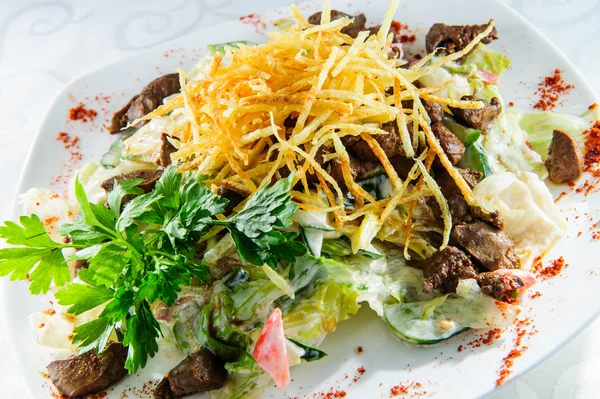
x: 351, y: 30
x: 486, y: 243
x: 565, y: 160
x: 359, y: 170
x: 434, y: 110
x: 80, y: 264
x: 163, y: 390
x: 148, y: 100
x: 402, y: 165
x: 479, y: 119
x: 149, y: 177
x: 390, y: 143
x: 234, y: 196
x: 459, y: 208
x: 166, y: 149
x: 452, y: 146
x: 453, y: 38
x: 445, y: 268
x: 349, y: 140
x: 89, y: 372
x: 201, y: 371
x: 499, y: 285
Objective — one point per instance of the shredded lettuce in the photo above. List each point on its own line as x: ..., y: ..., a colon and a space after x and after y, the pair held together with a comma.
x: 506, y: 146
x: 540, y: 125
x: 530, y: 216
x: 459, y: 87
x: 487, y: 59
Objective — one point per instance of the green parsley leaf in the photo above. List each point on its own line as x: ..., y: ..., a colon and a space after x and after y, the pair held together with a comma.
x: 19, y: 261
x: 51, y: 268
x: 140, y: 336
x: 93, y: 215
x: 119, y: 191
x: 31, y: 233
x: 120, y: 307
x: 39, y: 251
x: 269, y: 208
x: 136, y: 208
x: 93, y: 334
x: 108, y: 264
x: 83, y: 297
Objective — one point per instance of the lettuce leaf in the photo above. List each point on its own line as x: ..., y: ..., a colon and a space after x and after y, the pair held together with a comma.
x: 487, y: 59
x: 530, y: 216
x: 507, y: 147
x: 540, y: 125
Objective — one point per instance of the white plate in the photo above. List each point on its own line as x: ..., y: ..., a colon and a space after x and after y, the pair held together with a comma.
x: 565, y: 307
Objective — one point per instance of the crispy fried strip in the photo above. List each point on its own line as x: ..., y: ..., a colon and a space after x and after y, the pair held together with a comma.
x: 457, y: 177
x: 389, y: 169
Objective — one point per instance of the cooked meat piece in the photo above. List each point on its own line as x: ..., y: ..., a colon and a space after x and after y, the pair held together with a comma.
x: 565, y: 160
x: 234, y: 196
x: 453, y: 38
x: 311, y: 177
x: 402, y: 165
x: 445, y: 268
x: 499, y: 285
x: 479, y: 119
x: 89, y: 372
x: 351, y: 30
x: 80, y: 264
x: 359, y: 170
x: 148, y: 100
x: 492, y: 218
x: 459, y: 208
x: 424, y: 214
x: 349, y: 140
x: 201, y: 371
x: 163, y: 390
x: 166, y: 149
x: 486, y: 243
x: 390, y: 143
x: 149, y: 177
x: 452, y: 146
x: 434, y: 110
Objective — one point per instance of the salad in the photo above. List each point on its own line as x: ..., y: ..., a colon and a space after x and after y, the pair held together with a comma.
x: 248, y: 206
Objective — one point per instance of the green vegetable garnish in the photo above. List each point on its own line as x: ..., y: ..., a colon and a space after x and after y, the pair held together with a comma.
x: 143, y: 252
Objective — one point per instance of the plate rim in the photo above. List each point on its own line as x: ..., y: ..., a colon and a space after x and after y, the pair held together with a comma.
x: 36, y: 142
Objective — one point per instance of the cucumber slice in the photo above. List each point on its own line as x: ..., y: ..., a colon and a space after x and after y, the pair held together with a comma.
x: 213, y: 48
x: 379, y: 186
x: 475, y: 158
x: 467, y: 135
x: 312, y: 219
x: 112, y: 157
x: 314, y: 240
x: 410, y: 322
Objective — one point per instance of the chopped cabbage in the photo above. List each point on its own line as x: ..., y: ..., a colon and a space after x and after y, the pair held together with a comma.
x: 487, y: 59
x: 531, y: 218
x: 540, y: 125
x: 459, y: 87
x: 506, y: 146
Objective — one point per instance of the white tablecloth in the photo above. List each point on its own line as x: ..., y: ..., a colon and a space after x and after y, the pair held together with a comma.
x: 45, y: 44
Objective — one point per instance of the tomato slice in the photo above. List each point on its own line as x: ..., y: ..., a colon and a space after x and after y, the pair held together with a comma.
x: 488, y: 76
x: 270, y: 351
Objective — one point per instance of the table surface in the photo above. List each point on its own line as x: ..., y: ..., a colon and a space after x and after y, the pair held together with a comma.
x: 46, y: 44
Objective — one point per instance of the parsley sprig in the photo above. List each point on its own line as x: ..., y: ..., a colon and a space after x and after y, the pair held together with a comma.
x: 144, y: 251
